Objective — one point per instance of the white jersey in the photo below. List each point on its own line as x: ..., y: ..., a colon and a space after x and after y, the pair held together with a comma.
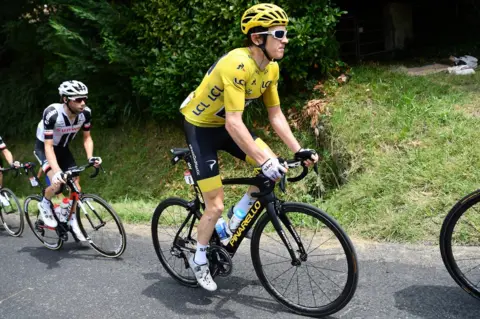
x: 2, y: 144
x: 56, y: 125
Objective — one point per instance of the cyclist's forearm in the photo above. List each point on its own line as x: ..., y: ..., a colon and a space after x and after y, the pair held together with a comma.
x: 241, y: 136
x: 281, y: 127
x: 8, y: 156
x: 88, y: 144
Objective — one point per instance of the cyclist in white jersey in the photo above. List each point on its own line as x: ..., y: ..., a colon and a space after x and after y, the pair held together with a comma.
x: 59, y: 125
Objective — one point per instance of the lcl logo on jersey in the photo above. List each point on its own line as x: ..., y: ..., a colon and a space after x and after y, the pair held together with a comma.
x: 265, y: 85
x: 241, y: 67
x: 215, y: 93
x: 200, y: 108
x: 238, y: 82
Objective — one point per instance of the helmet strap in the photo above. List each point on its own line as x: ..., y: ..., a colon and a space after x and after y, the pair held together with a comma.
x: 262, y: 46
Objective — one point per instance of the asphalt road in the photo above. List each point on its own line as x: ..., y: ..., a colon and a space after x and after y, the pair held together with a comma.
x: 396, y: 281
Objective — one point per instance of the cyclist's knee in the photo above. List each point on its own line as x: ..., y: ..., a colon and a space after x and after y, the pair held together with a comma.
x: 53, y: 189
x: 214, y: 211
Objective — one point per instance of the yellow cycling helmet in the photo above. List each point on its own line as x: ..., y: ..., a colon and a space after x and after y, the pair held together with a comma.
x: 263, y: 15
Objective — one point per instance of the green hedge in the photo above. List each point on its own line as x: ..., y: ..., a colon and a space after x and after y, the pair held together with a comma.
x: 139, y: 58
x: 184, y: 38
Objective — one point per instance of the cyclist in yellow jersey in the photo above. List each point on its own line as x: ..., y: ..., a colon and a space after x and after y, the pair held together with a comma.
x: 213, y: 119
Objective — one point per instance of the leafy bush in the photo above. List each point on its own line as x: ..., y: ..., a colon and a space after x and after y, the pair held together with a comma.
x: 184, y: 38
x: 139, y: 58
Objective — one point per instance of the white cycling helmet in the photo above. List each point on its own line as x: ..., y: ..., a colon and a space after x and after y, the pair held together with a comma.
x: 72, y: 88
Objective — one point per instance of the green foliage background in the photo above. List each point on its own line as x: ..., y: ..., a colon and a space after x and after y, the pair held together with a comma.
x: 139, y: 58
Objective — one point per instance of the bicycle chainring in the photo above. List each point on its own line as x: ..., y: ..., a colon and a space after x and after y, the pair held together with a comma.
x: 220, y: 261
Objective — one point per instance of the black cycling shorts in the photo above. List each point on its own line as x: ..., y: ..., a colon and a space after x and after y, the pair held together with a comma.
x: 64, y: 157
x: 204, y: 143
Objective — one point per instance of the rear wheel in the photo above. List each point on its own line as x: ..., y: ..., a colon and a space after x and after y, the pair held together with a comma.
x: 49, y: 237
x: 101, y: 226
x: 11, y: 213
x: 174, y: 234
x: 324, y: 280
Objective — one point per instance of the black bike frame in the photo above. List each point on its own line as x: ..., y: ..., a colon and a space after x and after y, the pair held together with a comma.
x: 265, y: 199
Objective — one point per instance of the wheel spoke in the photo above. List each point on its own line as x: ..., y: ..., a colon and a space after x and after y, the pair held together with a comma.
x: 323, y: 268
x: 313, y: 280
x: 275, y: 254
x: 321, y: 244
x: 325, y: 276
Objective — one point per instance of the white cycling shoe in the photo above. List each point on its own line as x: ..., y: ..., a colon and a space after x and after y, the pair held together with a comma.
x: 46, y: 215
x: 202, y: 273
x: 5, y: 202
x: 76, y: 229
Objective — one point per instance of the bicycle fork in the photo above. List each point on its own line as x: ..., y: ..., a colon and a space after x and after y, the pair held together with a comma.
x: 272, y: 210
x: 82, y: 207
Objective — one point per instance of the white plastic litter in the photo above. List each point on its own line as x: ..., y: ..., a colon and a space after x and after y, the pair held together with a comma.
x: 461, y: 70
x: 467, y: 60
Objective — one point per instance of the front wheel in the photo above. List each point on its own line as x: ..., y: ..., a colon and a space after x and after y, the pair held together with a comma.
x: 11, y: 213
x: 101, y: 226
x: 324, y: 280
x: 460, y: 243
x: 49, y: 237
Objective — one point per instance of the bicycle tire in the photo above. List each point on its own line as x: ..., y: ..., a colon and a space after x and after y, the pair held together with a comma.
x: 6, y: 213
x: 351, y: 278
x: 448, y: 227
x: 114, y: 225
x: 31, y: 216
x: 184, y: 275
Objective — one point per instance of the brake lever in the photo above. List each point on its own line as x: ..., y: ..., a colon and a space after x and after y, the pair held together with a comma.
x: 315, y: 168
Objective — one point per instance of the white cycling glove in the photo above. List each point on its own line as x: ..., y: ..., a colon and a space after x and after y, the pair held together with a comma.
x: 95, y: 159
x: 273, y: 169
x: 15, y: 164
x: 58, y: 178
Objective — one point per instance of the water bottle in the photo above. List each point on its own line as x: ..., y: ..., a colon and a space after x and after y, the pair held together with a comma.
x: 221, y: 228
x: 236, y: 219
x: 64, y: 210
x: 58, y: 211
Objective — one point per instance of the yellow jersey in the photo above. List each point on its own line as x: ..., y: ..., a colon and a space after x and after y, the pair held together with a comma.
x: 230, y: 84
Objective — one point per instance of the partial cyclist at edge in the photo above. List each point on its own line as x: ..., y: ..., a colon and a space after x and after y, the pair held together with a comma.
x: 213, y: 120
x: 9, y: 158
x: 59, y: 125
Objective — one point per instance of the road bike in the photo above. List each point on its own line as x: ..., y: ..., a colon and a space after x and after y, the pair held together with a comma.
x: 11, y: 212
x: 97, y: 220
x: 300, y: 254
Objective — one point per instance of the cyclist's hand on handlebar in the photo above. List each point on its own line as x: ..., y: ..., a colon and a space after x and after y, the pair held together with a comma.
x: 95, y: 160
x: 58, y: 178
x: 309, y: 156
x: 273, y: 169
x: 15, y: 164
